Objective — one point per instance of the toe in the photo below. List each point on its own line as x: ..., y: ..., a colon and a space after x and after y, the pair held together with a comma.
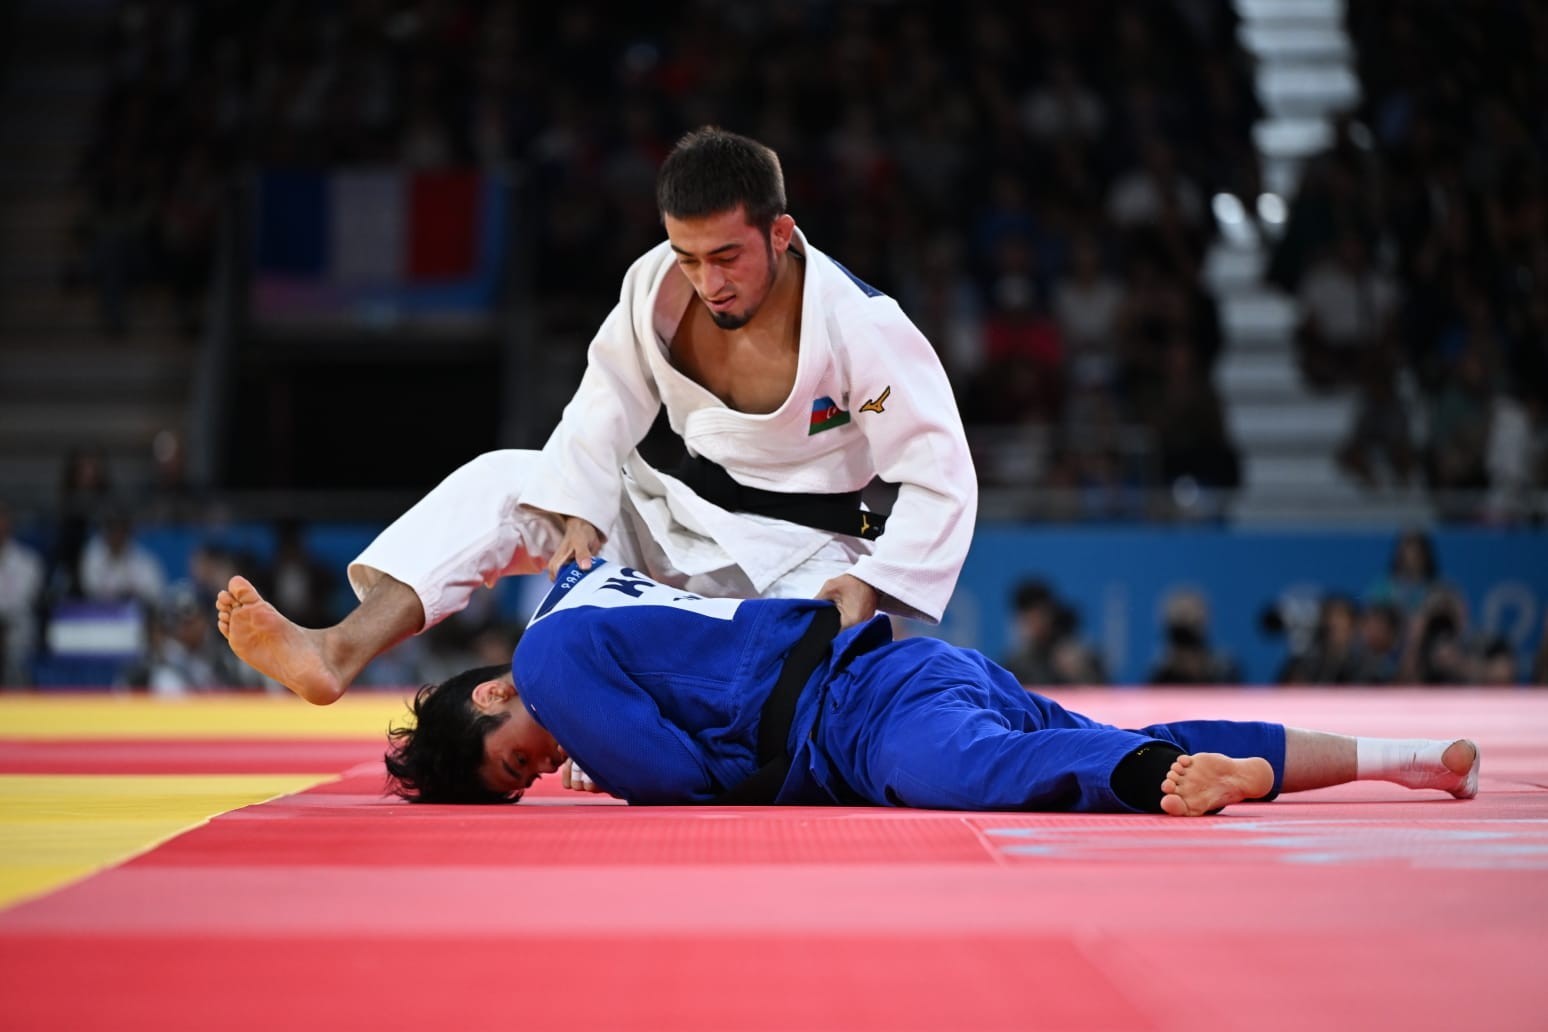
x: 242, y: 590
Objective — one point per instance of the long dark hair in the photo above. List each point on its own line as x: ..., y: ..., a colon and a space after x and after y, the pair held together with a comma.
x: 436, y: 757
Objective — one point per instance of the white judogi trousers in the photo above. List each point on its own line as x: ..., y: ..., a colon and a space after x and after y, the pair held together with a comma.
x: 472, y: 529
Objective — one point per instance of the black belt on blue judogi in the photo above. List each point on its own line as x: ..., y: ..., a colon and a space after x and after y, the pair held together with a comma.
x: 804, y: 657
x: 835, y: 513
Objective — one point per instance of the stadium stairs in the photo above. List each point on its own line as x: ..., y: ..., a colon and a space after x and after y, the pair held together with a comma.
x: 64, y: 382
x: 1288, y: 436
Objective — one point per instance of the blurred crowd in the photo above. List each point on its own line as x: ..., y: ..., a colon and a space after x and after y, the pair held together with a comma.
x: 1408, y: 627
x: 1418, y: 247
x: 1030, y: 181
x: 94, y: 605
x: 95, y: 572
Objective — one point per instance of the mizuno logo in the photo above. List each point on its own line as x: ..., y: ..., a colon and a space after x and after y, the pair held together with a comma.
x: 875, y: 404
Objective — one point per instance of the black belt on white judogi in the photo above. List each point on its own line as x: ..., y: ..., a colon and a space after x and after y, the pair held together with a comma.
x: 835, y: 513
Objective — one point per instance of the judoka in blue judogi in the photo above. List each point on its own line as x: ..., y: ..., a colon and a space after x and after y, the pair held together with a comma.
x: 660, y: 695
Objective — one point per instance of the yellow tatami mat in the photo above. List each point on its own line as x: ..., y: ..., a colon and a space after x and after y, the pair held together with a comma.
x: 221, y: 716
x: 82, y: 785
x: 59, y: 827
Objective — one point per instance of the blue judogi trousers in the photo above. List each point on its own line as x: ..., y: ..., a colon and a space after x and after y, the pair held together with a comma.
x: 921, y: 723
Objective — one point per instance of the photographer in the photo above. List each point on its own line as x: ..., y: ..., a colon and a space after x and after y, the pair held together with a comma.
x: 1435, y: 649
x: 1188, y: 657
x: 1334, y: 655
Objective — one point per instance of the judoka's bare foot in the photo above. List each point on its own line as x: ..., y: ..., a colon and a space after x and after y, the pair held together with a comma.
x: 292, y: 655
x: 1205, y: 782
x: 1461, y: 759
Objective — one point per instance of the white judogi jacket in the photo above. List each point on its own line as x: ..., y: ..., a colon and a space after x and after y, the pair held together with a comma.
x: 883, y: 408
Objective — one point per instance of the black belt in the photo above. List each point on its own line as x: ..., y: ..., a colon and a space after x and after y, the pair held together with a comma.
x: 804, y: 657
x: 836, y: 513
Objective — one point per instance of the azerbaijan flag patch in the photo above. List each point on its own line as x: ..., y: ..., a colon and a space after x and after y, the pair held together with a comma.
x: 826, y: 415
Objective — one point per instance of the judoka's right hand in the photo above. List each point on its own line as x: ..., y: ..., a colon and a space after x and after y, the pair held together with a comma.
x: 581, y: 541
x: 575, y: 779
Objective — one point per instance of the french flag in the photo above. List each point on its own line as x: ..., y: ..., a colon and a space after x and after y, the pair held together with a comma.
x: 330, y: 242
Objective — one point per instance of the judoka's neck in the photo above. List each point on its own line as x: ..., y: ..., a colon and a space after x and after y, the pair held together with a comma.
x: 776, y: 328
x: 752, y: 368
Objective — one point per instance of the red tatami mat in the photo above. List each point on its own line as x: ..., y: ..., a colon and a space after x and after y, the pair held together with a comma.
x: 182, y: 755
x: 1363, y: 907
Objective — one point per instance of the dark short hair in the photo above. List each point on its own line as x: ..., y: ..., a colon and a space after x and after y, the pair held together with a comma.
x: 711, y: 171
x: 436, y: 758
x: 1430, y: 567
x: 1031, y: 594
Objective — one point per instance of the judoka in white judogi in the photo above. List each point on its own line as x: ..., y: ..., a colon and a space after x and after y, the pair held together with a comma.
x: 870, y: 399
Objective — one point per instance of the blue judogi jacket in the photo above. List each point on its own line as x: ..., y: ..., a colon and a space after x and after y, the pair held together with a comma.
x: 656, y: 692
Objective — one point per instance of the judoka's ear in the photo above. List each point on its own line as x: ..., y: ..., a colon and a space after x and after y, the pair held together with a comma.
x: 780, y: 232
x: 489, y: 696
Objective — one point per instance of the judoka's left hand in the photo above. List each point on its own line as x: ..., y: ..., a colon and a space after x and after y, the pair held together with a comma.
x: 575, y: 779
x: 856, y: 600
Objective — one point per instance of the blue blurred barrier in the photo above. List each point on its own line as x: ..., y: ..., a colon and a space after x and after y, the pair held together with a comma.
x: 90, y: 643
x: 1116, y: 579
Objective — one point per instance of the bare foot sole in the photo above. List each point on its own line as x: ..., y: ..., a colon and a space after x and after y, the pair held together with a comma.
x: 1205, y: 782
x: 272, y: 645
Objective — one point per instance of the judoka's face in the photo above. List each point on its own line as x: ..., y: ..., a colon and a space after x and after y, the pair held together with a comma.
x: 731, y: 263
x: 519, y: 751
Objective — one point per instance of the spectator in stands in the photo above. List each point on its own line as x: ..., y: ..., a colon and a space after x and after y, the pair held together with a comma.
x: 1412, y: 574
x: 1074, y: 661
x: 1189, y: 422
x: 1334, y: 656
x: 1227, y: 108
x: 188, y: 656
x: 1047, y: 648
x: 1154, y: 189
x: 115, y: 567
x: 187, y: 223
x: 1336, y: 196
x: 298, y: 582
x: 1347, y: 308
x: 118, y: 228
x: 1459, y: 427
x: 1063, y: 105
x: 1379, y: 441
x: 21, y: 590
x: 1435, y: 642
x: 1381, y: 640
x: 1087, y: 302
x: 169, y: 497
x: 210, y: 568
x: 1023, y: 379
x: 84, y: 489
x: 1496, y: 665
x: 946, y: 306
x: 1160, y: 308
x: 1035, y: 635
x: 1188, y: 656
x: 1515, y: 451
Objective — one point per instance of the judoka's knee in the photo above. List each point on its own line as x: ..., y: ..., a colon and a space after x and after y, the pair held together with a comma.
x: 503, y: 470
